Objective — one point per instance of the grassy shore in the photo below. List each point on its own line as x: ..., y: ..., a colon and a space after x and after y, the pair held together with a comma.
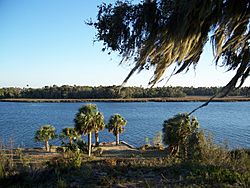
x: 121, y: 166
x: 165, y: 99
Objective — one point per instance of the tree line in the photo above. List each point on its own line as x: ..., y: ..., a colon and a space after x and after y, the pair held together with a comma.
x: 106, y: 92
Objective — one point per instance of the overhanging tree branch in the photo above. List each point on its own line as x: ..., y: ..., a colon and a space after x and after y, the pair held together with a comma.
x: 160, y: 33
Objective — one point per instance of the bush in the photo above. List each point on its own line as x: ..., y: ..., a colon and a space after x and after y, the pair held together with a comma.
x: 77, y: 146
x: 181, y: 135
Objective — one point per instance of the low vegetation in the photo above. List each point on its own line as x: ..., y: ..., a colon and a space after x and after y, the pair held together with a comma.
x: 145, y: 169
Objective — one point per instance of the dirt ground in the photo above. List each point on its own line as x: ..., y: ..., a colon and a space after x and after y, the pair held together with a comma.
x: 124, y: 151
x: 108, y: 150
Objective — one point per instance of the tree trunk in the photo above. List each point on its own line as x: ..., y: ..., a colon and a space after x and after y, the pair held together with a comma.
x: 46, y: 142
x: 97, y: 138
x: 117, y: 139
x: 89, y: 143
x: 70, y: 141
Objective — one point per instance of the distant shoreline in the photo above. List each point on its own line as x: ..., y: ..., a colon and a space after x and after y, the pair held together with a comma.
x: 166, y: 99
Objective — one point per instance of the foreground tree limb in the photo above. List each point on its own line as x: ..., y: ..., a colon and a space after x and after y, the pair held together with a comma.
x: 157, y: 34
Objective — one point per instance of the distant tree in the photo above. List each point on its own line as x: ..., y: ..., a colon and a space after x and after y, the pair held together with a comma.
x: 67, y: 92
x: 1, y: 93
x: 116, y: 126
x: 44, y: 134
x: 69, y: 133
x: 177, y: 131
x: 159, y: 33
x: 88, y: 120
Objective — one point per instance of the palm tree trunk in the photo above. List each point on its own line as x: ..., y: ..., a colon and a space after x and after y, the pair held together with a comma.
x: 46, y: 142
x: 70, y: 141
x: 97, y: 138
x: 89, y: 143
x: 117, y: 139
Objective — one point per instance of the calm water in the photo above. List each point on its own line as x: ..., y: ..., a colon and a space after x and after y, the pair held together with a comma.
x: 227, y: 121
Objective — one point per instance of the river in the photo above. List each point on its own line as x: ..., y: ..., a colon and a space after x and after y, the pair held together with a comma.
x: 227, y: 121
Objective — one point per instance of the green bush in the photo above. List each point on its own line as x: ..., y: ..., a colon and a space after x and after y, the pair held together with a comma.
x: 181, y: 135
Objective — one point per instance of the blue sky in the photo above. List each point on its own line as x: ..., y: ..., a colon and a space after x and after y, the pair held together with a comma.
x: 45, y: 42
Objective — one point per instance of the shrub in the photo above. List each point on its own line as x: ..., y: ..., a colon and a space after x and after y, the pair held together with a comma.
x: 181, y: 135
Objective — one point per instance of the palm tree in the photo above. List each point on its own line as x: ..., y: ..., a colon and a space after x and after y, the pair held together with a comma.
x: 116, y: 125
x: 89, y: 120
x: 177, y: 131
x: 99, y: 125
x: 44, y: 134
x: 69, y: 133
